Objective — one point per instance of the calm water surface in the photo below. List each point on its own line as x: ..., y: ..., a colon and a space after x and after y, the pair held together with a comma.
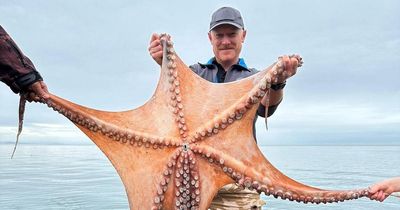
x: 81, y: 177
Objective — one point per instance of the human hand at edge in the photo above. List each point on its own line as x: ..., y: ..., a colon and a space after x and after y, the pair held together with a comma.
x: 383, y: 189
x: 37, y: 91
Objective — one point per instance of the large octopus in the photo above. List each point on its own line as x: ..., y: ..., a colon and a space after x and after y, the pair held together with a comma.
x: 190, y: 139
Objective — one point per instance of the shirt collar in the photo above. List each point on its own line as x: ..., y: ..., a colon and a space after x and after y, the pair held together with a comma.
x: 240, y: 65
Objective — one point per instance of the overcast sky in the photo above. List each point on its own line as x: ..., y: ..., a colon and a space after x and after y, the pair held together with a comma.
x: 94, y: 53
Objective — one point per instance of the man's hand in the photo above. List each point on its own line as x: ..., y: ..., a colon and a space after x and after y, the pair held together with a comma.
x: 288, y: 67
x: 290, y: 64
x: 155, y: 48
x: 37, y: 91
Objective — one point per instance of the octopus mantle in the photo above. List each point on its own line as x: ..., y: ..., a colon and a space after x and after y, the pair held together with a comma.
x: 179, y: 148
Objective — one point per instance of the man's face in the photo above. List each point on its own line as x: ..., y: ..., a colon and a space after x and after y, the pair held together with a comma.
x: 227, y: 42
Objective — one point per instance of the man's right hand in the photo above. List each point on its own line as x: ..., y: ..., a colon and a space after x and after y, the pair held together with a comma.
x: 155, y: 48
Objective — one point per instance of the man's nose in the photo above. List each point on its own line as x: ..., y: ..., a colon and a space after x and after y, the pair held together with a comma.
x: 225, y: 40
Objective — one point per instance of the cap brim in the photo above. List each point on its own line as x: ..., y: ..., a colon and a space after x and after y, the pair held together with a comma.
x: 226, y: 23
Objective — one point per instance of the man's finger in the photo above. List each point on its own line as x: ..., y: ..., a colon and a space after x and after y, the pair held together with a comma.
x: 157, y: 54
x: 295, y: 63
x: 154, y: 44
x: 155, y: 49
x: 154, y: 36
x: 286, y: 62
x: 157, y: 57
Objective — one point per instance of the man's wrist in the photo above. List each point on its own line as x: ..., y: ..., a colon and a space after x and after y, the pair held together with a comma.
x: 278, y: 86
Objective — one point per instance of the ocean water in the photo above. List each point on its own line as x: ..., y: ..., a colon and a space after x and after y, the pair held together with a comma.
x: 81, y: 177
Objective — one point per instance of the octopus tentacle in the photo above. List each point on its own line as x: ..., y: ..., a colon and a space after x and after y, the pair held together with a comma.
x: 187, y: 184
x: 112, y: 131
x: 284, y: 188
x: 21, y: 112
x: 165, y: 179
x: 236, y: 111
x: 176, y: 99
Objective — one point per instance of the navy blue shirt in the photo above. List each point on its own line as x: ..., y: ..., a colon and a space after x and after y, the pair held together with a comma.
x: 213, y: 71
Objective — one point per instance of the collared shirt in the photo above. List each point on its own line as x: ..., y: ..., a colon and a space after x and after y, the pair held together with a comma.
x: 213, y: 71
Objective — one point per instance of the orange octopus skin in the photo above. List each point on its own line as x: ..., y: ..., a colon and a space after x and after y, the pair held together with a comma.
x: 178, y: 149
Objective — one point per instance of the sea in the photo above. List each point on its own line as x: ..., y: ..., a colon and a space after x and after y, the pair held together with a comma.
x: 81, y: 177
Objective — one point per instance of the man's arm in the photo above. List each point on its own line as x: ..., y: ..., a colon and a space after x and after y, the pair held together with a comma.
x: 290, y: 64
x: 17, y: 70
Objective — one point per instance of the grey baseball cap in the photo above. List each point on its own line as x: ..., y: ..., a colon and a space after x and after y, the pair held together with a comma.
x: 226, y: 15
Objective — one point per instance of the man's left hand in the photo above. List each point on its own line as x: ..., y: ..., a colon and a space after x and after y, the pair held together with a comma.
x: 289, y: 64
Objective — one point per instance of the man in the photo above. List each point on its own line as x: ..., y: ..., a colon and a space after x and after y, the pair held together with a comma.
x: 17, y: 70
x: 226, y: 36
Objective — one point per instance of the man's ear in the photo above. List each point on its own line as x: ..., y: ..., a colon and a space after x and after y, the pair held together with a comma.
x: 209, y: 36
x: 244, y: 35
